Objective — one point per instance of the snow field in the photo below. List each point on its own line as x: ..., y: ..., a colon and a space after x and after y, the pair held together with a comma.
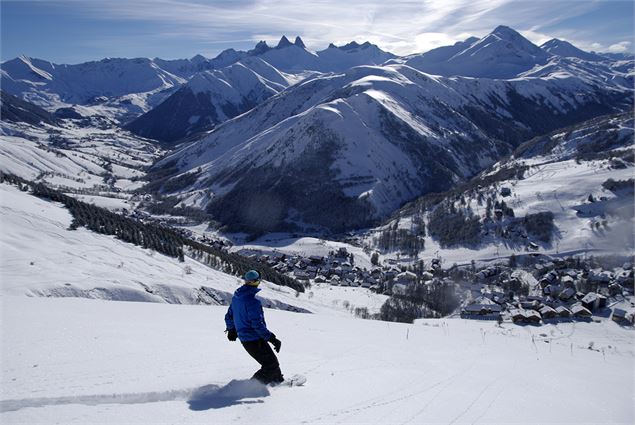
x: 92, y: 361
x: 41, y: 257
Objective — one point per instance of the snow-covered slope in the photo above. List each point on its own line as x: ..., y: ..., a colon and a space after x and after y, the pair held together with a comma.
x: 42, y: 257
x: 76, y: 154
x: 367, y: 140
x: 210, y: 98
x: 565, y: 175
x: 605, y: 73
x: 77, y: 361
x: 566, y: 49
x: 14, y: 109
x: 128, y: 86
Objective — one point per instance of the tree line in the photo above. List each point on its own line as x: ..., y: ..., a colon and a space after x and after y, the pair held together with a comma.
x: 153, y: 236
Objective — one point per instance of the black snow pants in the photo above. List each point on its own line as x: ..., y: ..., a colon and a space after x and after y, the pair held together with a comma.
x: 263, y: 354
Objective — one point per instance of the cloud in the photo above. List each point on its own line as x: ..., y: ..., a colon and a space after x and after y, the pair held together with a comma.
x: 400, y: 26
x: 621, y: 47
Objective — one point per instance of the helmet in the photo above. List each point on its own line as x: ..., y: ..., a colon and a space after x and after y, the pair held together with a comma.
x: 252, y: 277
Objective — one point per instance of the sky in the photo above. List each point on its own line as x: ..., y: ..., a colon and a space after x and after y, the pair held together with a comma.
x: 74, y: 31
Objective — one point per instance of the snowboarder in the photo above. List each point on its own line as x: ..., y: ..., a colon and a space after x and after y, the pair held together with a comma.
x: 245, y: 320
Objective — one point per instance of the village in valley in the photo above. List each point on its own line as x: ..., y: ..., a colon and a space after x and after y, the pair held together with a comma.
x: 544, y: 290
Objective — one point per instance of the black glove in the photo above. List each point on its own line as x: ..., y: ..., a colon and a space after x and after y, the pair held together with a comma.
x: 275, y: 342
x: 232, y: 334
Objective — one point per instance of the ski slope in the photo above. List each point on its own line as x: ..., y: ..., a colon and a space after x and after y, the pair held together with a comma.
x: 77, y: 361
x: 74, y: 353
x: 42, y: 258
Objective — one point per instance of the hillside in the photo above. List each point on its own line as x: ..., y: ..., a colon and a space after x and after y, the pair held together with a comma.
x: 210, y: 98
x: 367, y: 141
x: 36, y: 240
x: 126, y: 362
x: 89, y: 153
x: 563, y: 173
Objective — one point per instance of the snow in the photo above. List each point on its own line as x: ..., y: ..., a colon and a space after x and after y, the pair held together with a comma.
x: 501, y: 54
x: 74, y: 352
x: 128, y: 85
x: 371, y: 163
x: 78, y: 161
x: 557, y: 187
x: 35, y: 241
x: 77, y: 361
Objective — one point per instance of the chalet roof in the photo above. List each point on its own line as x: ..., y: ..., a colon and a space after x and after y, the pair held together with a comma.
x: 546, y: 310
x: 579, y: 309
x: 483, y: 301
x: 567, y: 293
x: 477, y: 308
x: 567, y: 279
x: 618, y: 312
x: 562, y: 309
x: 531, y: 314
x: 514, y: 312
x: 427, y: 276
x: 591, y: 297
x: 407, y: 275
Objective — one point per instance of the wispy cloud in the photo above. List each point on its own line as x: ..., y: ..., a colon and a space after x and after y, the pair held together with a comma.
x: 400, y: 26
x: 621, y: 47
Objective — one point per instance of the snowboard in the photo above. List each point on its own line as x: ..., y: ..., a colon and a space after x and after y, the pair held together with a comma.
x: 294, y: 381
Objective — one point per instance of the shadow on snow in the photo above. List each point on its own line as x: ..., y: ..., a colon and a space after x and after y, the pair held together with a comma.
x: 235, y: 392
x: 203, y: 398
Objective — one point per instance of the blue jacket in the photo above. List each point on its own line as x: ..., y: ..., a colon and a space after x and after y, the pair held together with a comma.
x: 246, y: 316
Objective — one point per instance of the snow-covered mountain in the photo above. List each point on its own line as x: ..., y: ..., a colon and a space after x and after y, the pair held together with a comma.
x: 14, y: 109
x: 210, y: 98
x: 367, y: 140
x: 295, y: 57
x: 288, y: 122
x: 503, y: 53
x: 566, y: 49
x: 127, y: 86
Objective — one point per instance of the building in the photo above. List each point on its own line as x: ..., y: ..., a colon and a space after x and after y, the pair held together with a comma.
x: 548, y: 313
x: 593, y: 301
x: 579, y: 311
x: 481, y: 311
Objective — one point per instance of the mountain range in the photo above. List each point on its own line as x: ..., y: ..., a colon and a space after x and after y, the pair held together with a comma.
x: 285, y: 138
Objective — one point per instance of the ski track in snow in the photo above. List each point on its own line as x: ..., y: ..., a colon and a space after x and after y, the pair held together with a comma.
x: 94, y: 400
x: 345, y: 414
x: 212, y: 396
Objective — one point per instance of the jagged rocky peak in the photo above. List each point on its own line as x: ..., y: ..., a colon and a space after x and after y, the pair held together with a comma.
x: 352, y: 46
x: 298, y: 42
x: 261, y: 47
x: 284, y: 42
